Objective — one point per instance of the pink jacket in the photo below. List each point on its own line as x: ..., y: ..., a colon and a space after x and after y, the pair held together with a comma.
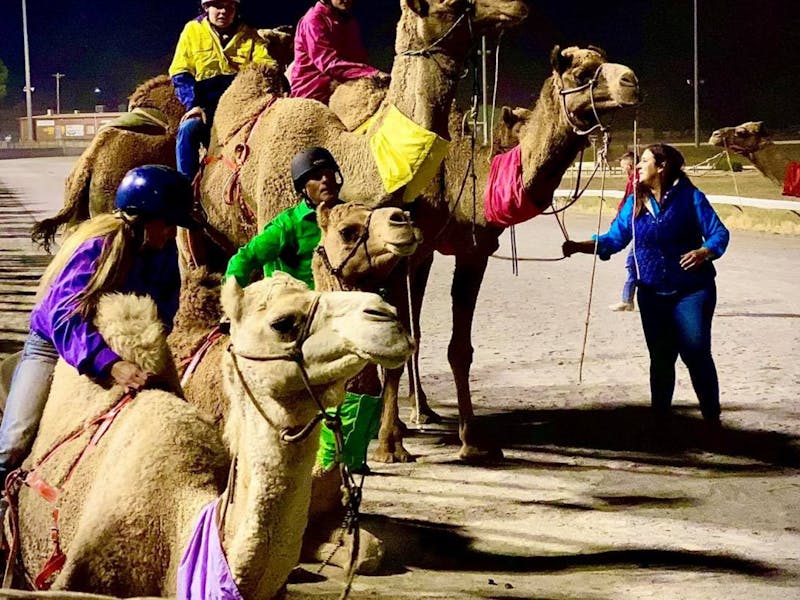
x: 327, y: 48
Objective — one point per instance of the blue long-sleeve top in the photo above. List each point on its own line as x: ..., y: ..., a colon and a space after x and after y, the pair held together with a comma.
x: 77, y: 341
x: 683, y: 221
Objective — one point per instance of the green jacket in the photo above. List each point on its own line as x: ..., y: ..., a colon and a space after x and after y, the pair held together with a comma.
x: 286, y: 244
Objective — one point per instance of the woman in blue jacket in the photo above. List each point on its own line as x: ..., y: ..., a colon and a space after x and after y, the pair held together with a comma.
x: 131, y: 250
x: 676, y: 235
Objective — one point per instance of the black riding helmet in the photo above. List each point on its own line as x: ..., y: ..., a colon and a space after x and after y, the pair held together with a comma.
x: 308, y: 162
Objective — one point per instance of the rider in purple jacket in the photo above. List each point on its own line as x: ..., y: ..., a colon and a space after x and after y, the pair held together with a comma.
x: 131, y: 251
x: 327, y: 48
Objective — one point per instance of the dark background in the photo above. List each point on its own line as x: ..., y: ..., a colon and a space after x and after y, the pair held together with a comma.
x: 748, y: 51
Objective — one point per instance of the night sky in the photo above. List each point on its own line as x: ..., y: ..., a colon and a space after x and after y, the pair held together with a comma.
x: 749, y: 51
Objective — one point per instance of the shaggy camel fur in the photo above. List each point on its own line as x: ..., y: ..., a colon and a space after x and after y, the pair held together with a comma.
x: 93, y: 181
x: 422, y: 88
x: 132, y: 504
x: 549, y: 144
x: 358, y: 250
x: 751, y: 140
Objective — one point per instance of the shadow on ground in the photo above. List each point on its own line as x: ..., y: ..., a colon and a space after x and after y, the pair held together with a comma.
x: 630, y: 433
x: 422, y: 545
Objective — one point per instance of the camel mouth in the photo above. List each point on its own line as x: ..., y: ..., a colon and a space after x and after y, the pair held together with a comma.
x: 402, y: 249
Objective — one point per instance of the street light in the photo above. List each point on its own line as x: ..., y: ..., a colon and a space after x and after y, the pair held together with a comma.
x: 58, y: 77
x: 28, y: 89
x: 696, y: 83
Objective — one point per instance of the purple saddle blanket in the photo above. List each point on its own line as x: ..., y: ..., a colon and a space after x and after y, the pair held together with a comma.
x: 204, y: 573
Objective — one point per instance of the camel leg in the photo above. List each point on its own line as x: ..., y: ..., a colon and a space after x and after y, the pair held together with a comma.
x: 417, y: 397
x: 467, y: 280
x: 390, y: 435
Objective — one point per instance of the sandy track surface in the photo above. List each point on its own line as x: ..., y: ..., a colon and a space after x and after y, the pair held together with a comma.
x: 591, y: 500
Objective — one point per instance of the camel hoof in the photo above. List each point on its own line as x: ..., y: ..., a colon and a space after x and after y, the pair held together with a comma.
x: 427, y: 416
x: 370, y: 552
x: 469, y: 453
x: 400, y: 455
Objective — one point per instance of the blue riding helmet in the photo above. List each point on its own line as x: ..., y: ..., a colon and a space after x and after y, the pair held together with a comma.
x: 156, y: 191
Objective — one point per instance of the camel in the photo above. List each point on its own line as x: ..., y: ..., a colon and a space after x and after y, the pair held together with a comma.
x: 751, y: 140
x: 358, y: 250
x: 93, y: 180
x: 131, y: 505
x: 432, y: 44
x: 549, y: 140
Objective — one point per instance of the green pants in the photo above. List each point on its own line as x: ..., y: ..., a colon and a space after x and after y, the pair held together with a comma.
x: 361, y: 417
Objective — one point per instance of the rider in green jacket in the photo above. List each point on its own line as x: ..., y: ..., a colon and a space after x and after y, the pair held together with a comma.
x: 287, y: 243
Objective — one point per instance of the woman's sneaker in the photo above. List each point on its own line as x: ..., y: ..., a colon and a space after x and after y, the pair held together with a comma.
x: 622, y: 306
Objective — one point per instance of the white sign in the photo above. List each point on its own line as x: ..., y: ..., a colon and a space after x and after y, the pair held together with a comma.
x: 45, y: 122
x: 74, y: 131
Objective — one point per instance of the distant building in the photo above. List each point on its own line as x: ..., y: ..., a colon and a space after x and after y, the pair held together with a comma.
x: 75, y: 126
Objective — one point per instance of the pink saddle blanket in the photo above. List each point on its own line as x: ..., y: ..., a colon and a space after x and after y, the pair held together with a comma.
x: 505, y: 200
x: 791, y: 181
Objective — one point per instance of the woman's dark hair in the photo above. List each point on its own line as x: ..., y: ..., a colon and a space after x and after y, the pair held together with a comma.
x: 671, y: 160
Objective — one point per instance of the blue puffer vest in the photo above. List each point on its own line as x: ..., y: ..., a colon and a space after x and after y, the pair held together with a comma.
x: 661, y: 240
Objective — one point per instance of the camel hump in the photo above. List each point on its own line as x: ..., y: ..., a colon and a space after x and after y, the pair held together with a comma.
x: 130, y: 326
x: 357, y: 100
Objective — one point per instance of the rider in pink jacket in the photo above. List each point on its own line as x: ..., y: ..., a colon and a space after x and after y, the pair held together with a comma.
x: 327, y: 48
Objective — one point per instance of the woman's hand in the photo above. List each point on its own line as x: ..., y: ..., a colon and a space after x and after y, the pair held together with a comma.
x: 194, y: 113
x: 570, y: 247
x: 694, y: 258
x: 129, y: 375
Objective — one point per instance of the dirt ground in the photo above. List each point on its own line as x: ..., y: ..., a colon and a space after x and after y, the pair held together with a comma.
x: 590, y: 501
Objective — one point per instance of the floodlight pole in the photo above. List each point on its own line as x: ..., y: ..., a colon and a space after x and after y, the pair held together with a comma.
x: 58, y: 77
x: 27, y: 70
x: 485, y: 116
x: 696, y: 85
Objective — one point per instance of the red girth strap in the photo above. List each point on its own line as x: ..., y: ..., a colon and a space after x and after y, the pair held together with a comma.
x: 191, y: 361
x: 51, y: 493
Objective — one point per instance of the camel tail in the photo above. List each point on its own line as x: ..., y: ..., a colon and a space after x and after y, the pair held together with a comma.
x: 75, y: 209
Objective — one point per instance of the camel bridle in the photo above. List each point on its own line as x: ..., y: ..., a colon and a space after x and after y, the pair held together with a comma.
x: 571, y: 118
x: 338, y: 272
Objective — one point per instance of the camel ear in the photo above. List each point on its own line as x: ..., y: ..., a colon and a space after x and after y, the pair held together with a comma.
x: 508, y: 116
x: 420, y: 7
x: 599, y: 50
x: 231, y: 297
x: 559, y: 62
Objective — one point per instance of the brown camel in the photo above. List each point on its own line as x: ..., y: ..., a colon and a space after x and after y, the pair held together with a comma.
x: 257, y: 138
x: 358, y: 250
x: 549, y: 140
x: 751, y: 140
x: 90, y: 186
x: 131, y: 505
x: 94, y: 178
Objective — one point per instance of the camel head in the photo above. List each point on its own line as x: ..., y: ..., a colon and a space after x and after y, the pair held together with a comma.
x: 744, y: 139
x: 506, y: 134
x: 591, y: 84
x: 280, y: 44
x: 346, y: 331
x: 158, y: 93
x: 450, y: 21
x: 361, y: 245
x: 130, y: 326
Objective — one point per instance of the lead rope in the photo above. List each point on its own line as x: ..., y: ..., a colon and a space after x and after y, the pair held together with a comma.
x: 733, y: 175
x: 602, y: 154
x: 413, y: 371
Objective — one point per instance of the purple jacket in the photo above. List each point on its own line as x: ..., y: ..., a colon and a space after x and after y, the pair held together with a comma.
x: 327, y: 48
x: 153, y: 273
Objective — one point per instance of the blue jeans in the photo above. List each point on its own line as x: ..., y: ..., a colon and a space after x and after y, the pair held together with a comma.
x: 629, y: 288
x: 30, y: 387
x: 680, y: 325
x: 191, y: 134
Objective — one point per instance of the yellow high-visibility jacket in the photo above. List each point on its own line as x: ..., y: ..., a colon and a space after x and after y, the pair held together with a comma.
x: 202, y: 68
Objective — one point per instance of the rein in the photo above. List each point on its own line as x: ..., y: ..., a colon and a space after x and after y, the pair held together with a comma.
x: 290, y: 435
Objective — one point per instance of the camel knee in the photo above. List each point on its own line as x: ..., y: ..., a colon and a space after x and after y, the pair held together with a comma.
x: 460, y: 356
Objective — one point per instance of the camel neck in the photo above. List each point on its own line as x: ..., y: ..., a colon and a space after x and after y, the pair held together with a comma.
x: 268, y: 511
x: 771, y: 162
x: 548, y: 144
x: 423, y: 87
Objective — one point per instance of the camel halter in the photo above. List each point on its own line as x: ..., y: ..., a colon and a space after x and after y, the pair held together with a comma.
x: 435, y: 45
x: 352, y: 491
x: 590, y: 85
x: 338, y: 272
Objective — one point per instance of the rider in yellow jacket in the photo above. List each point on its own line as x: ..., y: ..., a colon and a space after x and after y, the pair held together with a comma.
x: 211, y: 50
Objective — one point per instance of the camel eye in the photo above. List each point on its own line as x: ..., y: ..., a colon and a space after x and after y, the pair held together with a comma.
x: 284, y: 325
x: 349, y: 234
